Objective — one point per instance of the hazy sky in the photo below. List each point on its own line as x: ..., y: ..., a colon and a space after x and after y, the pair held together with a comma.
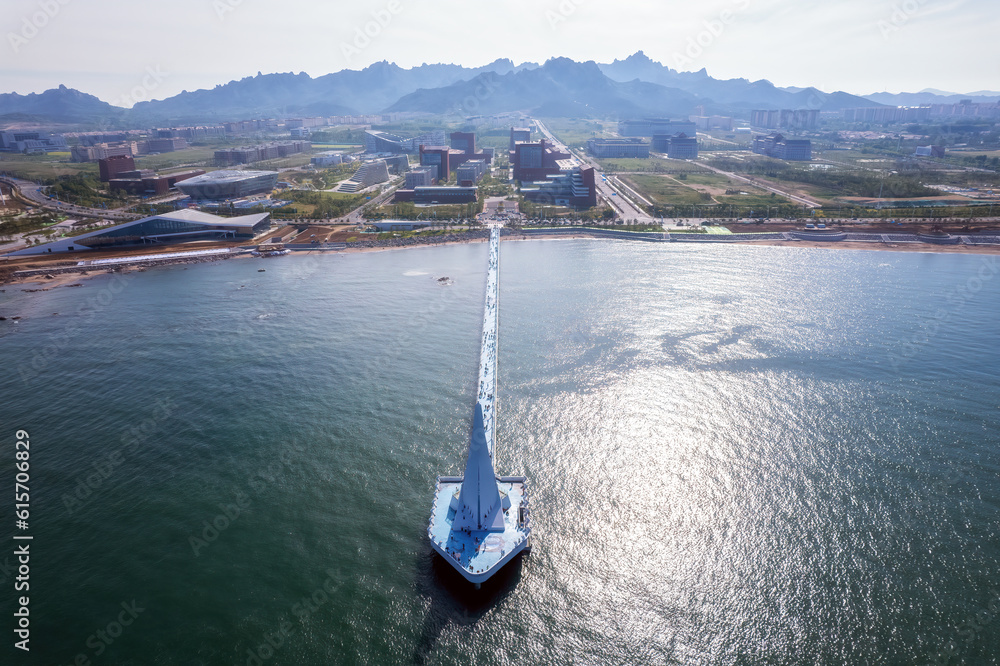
x: 124, y: 50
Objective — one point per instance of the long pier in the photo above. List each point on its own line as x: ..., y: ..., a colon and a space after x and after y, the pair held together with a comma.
x: 489, y: 349
x: 480, y: 521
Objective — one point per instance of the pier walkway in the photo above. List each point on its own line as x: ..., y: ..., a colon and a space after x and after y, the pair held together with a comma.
x: 480, y: 521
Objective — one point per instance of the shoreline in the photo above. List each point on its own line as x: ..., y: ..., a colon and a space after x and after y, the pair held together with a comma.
x: 67, y: 276
x: 925, y: 248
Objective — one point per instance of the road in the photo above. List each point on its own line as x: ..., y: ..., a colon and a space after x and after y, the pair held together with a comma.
x: 355, y: 217
x: 709, y: 137
x: 32, y: 193
x: 629, y: 210
x: 614, y: 195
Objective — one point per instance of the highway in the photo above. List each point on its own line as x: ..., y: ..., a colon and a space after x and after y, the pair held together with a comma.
x: 32, y: 194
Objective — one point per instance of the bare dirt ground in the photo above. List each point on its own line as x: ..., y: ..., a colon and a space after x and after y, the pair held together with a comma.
x: 313, y: 233
x: 342, y: 232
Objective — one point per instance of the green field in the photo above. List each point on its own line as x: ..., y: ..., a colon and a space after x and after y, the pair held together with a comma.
x: 320, y: 205
x: 708, y: 178
x: 631, y: 164
x: 662, y: 190
x: 284, y: 162
x: 194, y: 157
x: 44, y: 167
x: 648, y: 165
x: 754, y: 199
x: 408, y: 211
x: 574, y: 132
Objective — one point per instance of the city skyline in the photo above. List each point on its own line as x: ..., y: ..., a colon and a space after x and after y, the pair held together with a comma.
x: 107, y: 48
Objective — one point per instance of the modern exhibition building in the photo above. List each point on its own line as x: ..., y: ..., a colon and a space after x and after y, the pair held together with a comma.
x: 229, y: 184
x: 177, y: 227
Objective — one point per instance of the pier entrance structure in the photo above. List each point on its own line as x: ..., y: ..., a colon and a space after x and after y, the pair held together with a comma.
x: 480, y: 521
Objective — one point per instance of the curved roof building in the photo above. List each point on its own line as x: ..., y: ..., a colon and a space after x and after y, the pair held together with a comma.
x: 229, y: 184
x: 176, y: 227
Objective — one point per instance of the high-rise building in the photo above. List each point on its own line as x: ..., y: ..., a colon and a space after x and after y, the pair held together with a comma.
x: 519, y: 134
x: 464, y: 141
x: 111, y: 167
x: 436, y: 157
x: 536, y: 161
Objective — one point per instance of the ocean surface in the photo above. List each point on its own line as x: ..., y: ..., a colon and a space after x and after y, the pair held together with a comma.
x: 737, y: 455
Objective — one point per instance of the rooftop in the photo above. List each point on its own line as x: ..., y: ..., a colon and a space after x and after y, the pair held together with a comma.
x: 227, y: 176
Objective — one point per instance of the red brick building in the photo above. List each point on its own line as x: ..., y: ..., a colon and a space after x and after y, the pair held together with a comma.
x: 110, y: 167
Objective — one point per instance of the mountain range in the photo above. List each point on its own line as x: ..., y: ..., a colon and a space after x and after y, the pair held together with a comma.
x: 930, y: 96
x: 634, y: 86
x: 58, y: 105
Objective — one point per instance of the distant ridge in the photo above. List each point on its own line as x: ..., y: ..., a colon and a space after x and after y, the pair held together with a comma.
x: 560, y: 86
x: 729, y: 95
x: 930, y: 97
x: 59, y: 105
